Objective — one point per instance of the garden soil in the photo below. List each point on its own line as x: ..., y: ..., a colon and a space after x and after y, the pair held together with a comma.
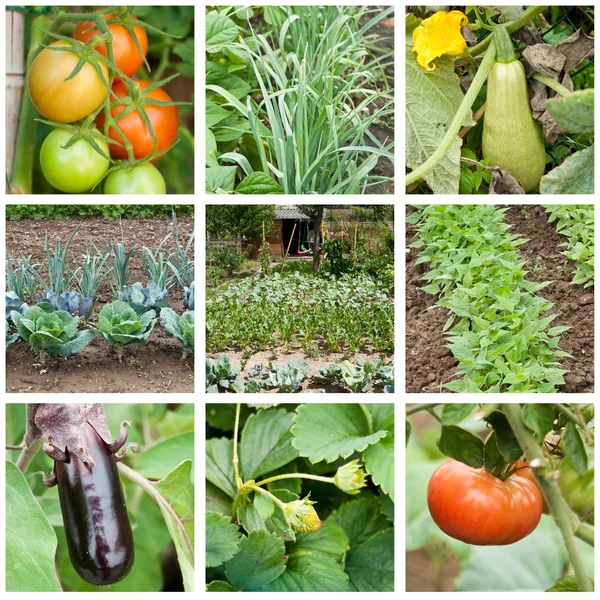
x: 152, y: 367
x: 429, y: 363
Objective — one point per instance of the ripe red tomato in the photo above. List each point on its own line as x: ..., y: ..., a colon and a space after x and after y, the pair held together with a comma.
x: 60, y: 100
x: 126, y: 54
x: 477, y: 508
x: 164, y: 121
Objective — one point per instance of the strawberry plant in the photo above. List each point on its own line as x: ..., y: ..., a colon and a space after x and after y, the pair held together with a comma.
x: 300, y: 497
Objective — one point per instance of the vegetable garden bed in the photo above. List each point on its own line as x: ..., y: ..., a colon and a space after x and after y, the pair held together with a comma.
x: 155, y: 366
x: 430, y: 363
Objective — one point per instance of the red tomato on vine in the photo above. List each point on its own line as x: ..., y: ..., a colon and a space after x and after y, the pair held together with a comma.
x: 477, y: 508
x: 126, y: 54
x: 164, y: 121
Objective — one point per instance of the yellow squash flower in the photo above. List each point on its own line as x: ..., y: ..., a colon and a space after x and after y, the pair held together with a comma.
x: 437, y: 35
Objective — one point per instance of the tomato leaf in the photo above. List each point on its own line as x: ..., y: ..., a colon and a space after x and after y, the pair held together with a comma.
x: 574, y: 448
x: 462, y: 445
x: 453, y: 414
x: 539, y: 418
x: 493, y: 460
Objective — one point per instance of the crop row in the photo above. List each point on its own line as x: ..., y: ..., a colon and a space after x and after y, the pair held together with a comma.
x: 57, y: 332
x: 346, y: 314
x: 48, y: 323
x: 362, y: 377
x: 498, y: 327
x: 576, y: 222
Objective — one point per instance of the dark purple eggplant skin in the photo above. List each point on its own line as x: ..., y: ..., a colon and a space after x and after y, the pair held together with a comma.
x: 95, y: 517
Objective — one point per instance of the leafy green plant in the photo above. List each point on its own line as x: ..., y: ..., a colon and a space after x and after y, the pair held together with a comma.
x: 576, y: 222
x: 364, y: 376
x: 188, y: 299
x: 288, y: 378
x: 120, y: 325
x: 318, y: 511
x: 350, y: 313
x: 51, y: 332
x: 221, y: 375
x: 311, y: 130
x: 119, y: 270
x: 70, y: 302
x: 21, y: 276
x: 143, y: 299
x: 497, y: 326
x: 179, y: 327
x: 13, y: 302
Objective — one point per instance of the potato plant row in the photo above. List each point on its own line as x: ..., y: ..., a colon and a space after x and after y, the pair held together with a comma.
x: 498, y: 327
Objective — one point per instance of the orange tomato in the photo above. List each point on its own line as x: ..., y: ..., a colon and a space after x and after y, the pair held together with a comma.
x: 164, y: 121
x: 126, y: 54
x: 60, y: 100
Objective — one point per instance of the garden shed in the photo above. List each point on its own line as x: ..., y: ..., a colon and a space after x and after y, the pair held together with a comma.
x: 291, y: 225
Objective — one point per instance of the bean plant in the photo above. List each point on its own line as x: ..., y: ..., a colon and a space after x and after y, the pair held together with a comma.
x: 498, y: 325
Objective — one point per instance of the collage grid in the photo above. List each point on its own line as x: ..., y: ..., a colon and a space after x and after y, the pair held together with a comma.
x: 203, y: 433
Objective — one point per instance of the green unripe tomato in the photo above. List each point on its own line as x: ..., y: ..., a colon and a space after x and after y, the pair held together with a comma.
x: 145, y: 179
x: 73, y: 170
x: 577, y: 490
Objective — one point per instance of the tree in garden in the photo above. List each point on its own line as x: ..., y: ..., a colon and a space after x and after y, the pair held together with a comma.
x: 315, y: 213
x: 230, y: 221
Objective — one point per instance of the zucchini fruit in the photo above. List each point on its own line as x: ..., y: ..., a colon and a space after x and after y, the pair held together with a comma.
x: 511, y: 137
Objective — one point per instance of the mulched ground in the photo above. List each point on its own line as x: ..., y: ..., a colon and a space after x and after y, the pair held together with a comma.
x: 152, y: 367
x: 429, y: 363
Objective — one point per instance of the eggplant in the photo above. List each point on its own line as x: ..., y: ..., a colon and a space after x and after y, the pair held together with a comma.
x: 95, y: 517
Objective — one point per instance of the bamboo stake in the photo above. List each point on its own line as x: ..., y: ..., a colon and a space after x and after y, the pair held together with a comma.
x: 15, y: 81
x: 355, y: 236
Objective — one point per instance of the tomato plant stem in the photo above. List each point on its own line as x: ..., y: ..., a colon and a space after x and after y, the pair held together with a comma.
x: 565, y: 519
x: 578, y: 420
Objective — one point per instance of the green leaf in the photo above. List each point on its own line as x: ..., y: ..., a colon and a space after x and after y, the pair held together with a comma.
x: 462, y: 445
x: 310, y: 573
x: 222, y: 539
x: 220, y: 30
x: 30, y: 540
x: 160, y: 459
x: 329, y: 431
x: 574, y: 176
x: 539, y: 418
x: 219, y: 465
x: 266, y: 442
x: 261, y: 559
x: 575, y: 112
x: 220, y: 178
x: 360, y: 519
x: 575, y: 448
x: 379, y: 463
x: 258, y: 183
x: 370, y: 566
x: 453, y: 414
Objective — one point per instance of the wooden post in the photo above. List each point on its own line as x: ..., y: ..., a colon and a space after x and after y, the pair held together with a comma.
x: 15, y: 81
x: 288, y: 248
